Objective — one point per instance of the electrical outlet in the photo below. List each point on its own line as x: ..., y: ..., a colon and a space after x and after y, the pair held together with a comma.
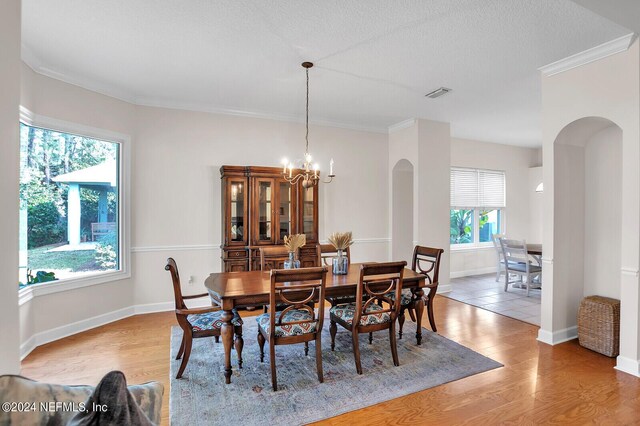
x: 192, y: 279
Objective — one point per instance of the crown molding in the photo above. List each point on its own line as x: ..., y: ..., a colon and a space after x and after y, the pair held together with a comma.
x: 401, y: 125
x: 33, y: 62
x: 609, y: 48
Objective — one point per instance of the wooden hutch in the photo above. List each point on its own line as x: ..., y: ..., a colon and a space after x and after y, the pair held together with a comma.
x: 259, y: 207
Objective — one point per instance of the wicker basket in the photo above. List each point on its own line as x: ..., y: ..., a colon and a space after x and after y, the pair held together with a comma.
x: 599, y: 325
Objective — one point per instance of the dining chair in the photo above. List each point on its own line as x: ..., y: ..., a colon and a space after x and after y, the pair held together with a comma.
x: 298, y: 322
x: 365, y: 315
x: 328, y: 252
x: 516, y: 262
x: 426, y: 261
x: 495, y: 238
x: 199, y: 322
x: 273, y: 257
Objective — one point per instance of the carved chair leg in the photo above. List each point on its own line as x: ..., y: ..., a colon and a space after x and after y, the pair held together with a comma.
x: 333, y: 329
x: 429, y: 306
x: 187, y: 353
x: 261, y: 344
x: 319, y: 358
x: 394, y: 346
x: 306, y: 348
x: 272, y: 361
x: 239, y: 344
x: 217, y: 339
x: 356, y: 350
x: 181, y: 350
x: 401, y: 321
x: 412, y: 314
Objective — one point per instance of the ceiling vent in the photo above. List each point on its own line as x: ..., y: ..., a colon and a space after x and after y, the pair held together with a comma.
x: 438, y: 92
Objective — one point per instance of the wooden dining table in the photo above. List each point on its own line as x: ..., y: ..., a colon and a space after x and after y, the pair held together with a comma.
x: 232, y: 290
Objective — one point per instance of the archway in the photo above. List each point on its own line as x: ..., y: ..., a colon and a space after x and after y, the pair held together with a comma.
x: 402, y: 211
x: 587, y: 198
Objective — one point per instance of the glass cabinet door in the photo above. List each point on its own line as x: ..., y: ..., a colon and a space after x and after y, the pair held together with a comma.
x: 308, y: 213
x: 264, y: 210
x: 237, y: 204
x: 285, y: 210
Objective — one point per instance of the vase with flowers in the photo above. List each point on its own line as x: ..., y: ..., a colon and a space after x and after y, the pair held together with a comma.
x: 293, y: 244
x: 341, y: 241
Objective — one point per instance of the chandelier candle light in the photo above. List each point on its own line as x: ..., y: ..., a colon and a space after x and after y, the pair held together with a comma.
x: 309, y: 174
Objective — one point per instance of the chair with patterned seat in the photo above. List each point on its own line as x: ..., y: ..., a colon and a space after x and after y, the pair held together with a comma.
x: 365, y: 315
x: 295, y: 291
x: 199, y: 322
x: 426, y: 261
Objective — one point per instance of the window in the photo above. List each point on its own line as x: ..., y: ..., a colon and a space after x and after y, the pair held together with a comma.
x: 69, y: 206
x: 477, y: 206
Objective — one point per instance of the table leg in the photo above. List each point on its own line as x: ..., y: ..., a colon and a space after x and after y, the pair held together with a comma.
x: 227, y: 341
x: 419, y: 307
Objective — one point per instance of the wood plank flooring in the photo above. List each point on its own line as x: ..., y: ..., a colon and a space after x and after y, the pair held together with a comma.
x: 565, y: 384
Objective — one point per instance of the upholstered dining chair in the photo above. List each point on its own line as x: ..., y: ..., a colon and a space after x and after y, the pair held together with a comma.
x: 426, y: 261
x: 328, y: 252
x: 273, y: 257
x: 516, y: 262
x: 495, y: 238
x: 365, y: 315
x: 296, y: 290
x: 199, y: 322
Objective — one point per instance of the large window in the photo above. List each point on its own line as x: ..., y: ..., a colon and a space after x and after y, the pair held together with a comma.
x: 477, y: 206
x: 69, y: 206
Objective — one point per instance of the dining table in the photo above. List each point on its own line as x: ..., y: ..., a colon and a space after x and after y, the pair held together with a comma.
x: 233, y: 290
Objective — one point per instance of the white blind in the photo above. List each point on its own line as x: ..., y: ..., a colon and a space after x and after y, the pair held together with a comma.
x: 477, y: 188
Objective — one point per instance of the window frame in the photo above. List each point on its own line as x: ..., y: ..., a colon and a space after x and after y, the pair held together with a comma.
x: 476, y: 244
x: 124, y: 202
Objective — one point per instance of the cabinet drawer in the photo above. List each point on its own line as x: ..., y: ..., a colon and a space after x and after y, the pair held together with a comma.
x: 235, y: 254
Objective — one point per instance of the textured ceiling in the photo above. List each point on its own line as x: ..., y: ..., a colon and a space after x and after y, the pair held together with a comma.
x: 375, y: 59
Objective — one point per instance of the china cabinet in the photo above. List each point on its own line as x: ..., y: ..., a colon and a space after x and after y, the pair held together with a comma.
x: 259, y: 207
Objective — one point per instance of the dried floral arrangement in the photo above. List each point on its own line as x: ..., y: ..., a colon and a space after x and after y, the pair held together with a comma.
x: 341, y: 240
x: 294, y: 242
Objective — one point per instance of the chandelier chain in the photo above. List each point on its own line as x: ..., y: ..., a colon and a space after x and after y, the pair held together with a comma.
x: 307, y: 109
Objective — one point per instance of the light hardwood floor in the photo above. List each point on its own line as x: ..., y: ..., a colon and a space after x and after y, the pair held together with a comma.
x: 565, y: 384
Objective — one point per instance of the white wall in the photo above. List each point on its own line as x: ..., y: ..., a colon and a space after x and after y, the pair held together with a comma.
x: 402, y: 211
x: 515, y: 162
x: 175, y: 194
x: 608, y: 88
x: 602, y: 213
x: 9, y: 163
x: 536, y: 205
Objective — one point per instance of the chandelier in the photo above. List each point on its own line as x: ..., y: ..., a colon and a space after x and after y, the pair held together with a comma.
x: 309, y: 174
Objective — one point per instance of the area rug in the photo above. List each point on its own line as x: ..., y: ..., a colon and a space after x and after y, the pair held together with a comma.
x: 201, y: 397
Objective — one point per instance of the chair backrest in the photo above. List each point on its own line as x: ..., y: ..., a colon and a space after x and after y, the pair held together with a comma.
x: 495, y: 238
x: 426, y: 261
x: 297, y: 289
x: 514, y: 251
x: 328, y: 252
x: 175, y: 277
x: 376, y: 281
x: 273, y: 257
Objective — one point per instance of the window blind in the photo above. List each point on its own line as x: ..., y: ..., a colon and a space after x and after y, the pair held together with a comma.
x: 477, y: 188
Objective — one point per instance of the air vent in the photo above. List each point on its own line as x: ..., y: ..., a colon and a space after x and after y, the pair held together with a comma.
x: 438, y: 92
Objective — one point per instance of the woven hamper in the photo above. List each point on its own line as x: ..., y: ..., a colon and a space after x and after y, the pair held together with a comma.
x: 599, y: 325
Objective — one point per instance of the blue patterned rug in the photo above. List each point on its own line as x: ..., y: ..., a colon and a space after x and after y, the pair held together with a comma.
x: 202, y: 398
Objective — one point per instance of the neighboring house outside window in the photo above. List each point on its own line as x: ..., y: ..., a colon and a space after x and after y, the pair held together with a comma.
x: 69, y: 206
x: 477, y: 206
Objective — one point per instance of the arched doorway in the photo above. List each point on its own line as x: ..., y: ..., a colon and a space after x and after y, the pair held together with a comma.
x: 402, y: 211
x: 587, y: 198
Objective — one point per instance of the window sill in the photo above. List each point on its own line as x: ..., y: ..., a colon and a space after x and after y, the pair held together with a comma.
x: 470, y: 248
x: 35, y: 290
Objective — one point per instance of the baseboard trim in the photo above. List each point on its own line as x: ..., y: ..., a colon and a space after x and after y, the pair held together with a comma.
x: 61, y: 332
x: 444, y: 288
x: 628, y: 365
x: 557, y: 337
x: 471, y: 272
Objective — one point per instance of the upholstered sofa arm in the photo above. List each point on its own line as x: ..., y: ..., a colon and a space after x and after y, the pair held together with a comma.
x: 39, y: 403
